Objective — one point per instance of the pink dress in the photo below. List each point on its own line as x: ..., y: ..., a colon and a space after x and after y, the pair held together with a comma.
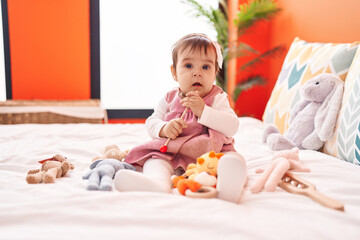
x: 194, y: 141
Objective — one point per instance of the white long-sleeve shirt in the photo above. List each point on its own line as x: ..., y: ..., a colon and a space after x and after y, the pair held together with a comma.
x: 219, y: 116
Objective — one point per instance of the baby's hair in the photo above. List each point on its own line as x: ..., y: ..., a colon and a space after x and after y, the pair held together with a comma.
x: 195, y: 41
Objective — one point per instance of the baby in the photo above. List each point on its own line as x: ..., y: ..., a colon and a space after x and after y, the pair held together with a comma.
x: 208, y: 125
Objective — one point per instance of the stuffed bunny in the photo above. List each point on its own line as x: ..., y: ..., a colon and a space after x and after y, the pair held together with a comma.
x: 313, y: 118
x: 103, y: 168
x: 102, y: 173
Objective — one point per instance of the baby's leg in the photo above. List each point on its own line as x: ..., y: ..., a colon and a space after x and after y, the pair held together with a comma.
x: 156, y: 177
x: 231, y: 177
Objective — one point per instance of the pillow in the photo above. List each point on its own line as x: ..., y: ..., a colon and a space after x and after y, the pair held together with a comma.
x: 304, y: 61
x: 345, y: 143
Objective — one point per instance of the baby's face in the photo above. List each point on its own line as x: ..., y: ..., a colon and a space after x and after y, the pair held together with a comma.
x: 195, y: 71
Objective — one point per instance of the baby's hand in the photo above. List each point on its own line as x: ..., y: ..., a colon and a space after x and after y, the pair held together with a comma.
x: 173, y: 128
x: 194, y: 102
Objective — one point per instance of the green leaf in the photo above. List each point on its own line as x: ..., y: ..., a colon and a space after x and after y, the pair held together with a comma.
x: 249, y: 13
x: 254, y: 11
x: 274, y: 52
x: 242, y: 49
x: 247, y: 84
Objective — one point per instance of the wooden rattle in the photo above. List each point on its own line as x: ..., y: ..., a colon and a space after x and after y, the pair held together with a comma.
x: 163, y: 148
x: 297, y: 185
x: 203, y: 192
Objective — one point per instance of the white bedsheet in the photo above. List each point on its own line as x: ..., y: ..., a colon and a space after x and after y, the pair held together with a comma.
x: 66, y: 210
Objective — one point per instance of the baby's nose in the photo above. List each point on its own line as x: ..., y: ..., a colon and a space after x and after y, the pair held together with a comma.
x: 197, y: 73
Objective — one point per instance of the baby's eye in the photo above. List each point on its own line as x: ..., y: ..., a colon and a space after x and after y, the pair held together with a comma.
x: 206, y: 67
x: 188, y: 65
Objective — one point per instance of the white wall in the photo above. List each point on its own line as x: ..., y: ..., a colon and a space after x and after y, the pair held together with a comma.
x: 135, y: 48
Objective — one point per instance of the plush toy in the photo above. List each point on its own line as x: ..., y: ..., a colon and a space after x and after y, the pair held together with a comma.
x: 206, y: 179
x: 112, y: 151
x: 199, y: 180
x: 312, y: 120
x: 51, y: 168
x: 182, y: 184
x: 103, y: 170
x: 282, y: 161
x: 207, y: 162
x: 192, y: 188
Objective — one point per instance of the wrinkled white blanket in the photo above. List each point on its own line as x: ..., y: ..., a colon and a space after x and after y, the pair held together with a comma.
x: 66, y: 210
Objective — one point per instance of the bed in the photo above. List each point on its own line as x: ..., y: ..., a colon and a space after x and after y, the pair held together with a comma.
x: 66, y: 210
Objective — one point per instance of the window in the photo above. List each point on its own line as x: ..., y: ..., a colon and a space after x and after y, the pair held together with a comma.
x: 135, y: 49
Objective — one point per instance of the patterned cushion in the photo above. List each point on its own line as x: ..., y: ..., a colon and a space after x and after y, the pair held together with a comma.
x: 345, y: 143
x: 303, y: 61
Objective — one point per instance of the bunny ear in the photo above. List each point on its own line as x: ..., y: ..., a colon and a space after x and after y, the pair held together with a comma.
x: 94, y: 164
x: 325, y: 118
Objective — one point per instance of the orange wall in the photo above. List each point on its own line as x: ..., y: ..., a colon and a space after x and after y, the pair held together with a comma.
x: 252, y: 102
x: 311, y: 20
x: 50, y: 45
x: 49, y: 49
x: 314, y: 21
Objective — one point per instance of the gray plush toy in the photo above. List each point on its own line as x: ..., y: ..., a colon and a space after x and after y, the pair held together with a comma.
x: 102, y: 173
x: 313, y: 118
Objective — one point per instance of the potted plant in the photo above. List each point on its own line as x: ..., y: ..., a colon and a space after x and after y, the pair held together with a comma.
x: 248, y: 14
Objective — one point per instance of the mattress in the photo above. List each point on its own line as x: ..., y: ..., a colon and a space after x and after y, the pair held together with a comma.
x: 66, y: 210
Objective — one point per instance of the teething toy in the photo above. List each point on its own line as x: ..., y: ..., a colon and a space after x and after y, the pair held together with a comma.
x: 163, y: 148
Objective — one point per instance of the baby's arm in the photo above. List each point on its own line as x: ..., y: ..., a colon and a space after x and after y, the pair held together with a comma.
x: 157, y: 128
x: 154, y: 123
x: 220, y: 116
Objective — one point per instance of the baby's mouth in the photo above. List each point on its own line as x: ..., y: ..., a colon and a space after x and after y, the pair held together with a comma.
x: 197, y: 84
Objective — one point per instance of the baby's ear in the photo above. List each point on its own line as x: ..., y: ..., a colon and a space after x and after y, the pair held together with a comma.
x: 173, y: 72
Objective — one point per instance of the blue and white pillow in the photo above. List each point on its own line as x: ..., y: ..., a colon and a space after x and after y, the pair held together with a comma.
x: 345, y: 143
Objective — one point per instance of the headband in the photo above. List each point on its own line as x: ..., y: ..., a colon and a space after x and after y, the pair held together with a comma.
x: 218, y: 54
